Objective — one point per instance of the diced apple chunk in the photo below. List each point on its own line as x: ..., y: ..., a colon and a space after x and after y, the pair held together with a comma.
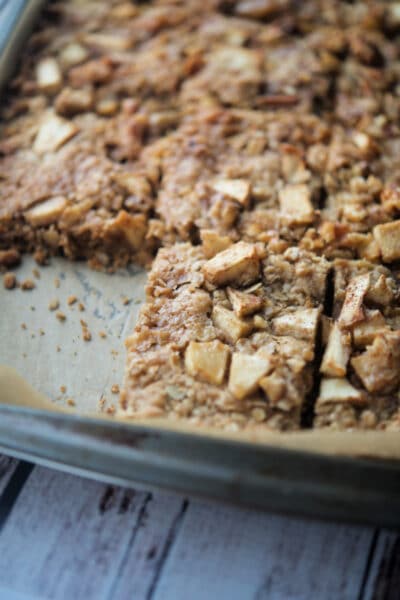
x: 301, y: 324
x: 53, y: 133
x: 212, y: 242
x: 73, y: 54
x: 108, y: 41
x: 352, y: 310
x: 239, y: 264
x: 46, y: 212
x: 365, y: 332
x: 245, y: 373
x: 244, y: 304
x: 237, y: 189
x: 337, y: 353
x: 48, y: 75
x: 295, y: 204
x: 388, y: 239
x: 382, y: 291
x: 232, y: 327
x: 207, y: 360
x: 379, y: 366
x: 339, y: 391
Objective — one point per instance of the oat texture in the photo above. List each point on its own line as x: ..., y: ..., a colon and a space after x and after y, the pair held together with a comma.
x: 248, y: 153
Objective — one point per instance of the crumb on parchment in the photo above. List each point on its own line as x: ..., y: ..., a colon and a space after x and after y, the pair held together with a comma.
x: 27, y: 285
x: 9, y: 280
x: 54, y: 304
x: 60, y: 315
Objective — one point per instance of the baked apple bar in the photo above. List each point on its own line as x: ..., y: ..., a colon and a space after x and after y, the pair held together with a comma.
x: 228, y: 340
x: 360, y: 367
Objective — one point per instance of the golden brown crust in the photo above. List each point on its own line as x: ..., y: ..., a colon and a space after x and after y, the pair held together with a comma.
x: 266, y: 131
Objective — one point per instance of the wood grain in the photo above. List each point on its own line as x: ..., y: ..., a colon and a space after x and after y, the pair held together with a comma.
x: 149, y: 550
x: 7, y: 468
x: 66, y: 537
x: 383, y: 580
x: 236, y: 554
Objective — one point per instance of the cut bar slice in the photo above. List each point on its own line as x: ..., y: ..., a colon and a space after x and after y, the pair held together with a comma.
x: 195, y: 355
x: 361, y: 365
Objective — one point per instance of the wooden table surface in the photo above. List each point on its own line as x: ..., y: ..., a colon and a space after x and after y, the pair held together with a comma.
x: 64, y: 537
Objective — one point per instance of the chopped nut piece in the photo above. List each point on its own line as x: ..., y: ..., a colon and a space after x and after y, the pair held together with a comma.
x: 260, y: 9
x: 60, y: 316
x: 365, y: 332
x: 207, y: 360
x: 53, y: 133
x: 339, y: 390
x: 46, y: 212
x: 231, y: 326
x: 295, y: 204
x: 132, y: 228
x: 73, y: 53
x: 28, y: 284
x: 9, y: 281
x: 382, y: 291
x: 71, y: 300
x: 237, y: 189
x: 239, y: 264
x: 352, y: 310
x: 337, y: 353
x: 301, y: 324
x: 388, y: 238
x: 72, y: 102
x: 124, y: 10
x: 107, y: 107
x: 48, y: 76
x: 259, y: 322
x: 213, y: 242
x: 245, y: 372
x: 244, y: 304
x: 379, y: 366
x: 108, y: 41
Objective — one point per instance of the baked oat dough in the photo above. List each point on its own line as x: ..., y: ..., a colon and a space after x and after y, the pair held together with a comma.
x: 251, y: 148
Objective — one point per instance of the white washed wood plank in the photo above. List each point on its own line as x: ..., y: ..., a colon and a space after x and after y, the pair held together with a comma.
x: 87, y: 369
x: 238, y: 554
x: 66, y: 537
x: 7, y: 468
x: 140, y: 569
x: 7, y: 593
x: 383, y: 581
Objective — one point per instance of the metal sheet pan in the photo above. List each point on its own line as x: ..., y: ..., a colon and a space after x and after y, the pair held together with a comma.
x: 253, y: 472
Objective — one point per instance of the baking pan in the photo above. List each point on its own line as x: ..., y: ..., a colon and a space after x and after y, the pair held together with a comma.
x: 351, y: 477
